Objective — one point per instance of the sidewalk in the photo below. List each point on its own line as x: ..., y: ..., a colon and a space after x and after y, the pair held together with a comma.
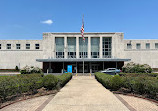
x: 8, y: 73
x: 84, y: 93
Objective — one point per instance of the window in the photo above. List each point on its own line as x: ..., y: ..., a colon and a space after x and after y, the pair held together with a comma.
x: 27, y: 46
x: 83, y: 47
x: 147, y: 45
x: 59, y: 42
x: 156, y: 45
x: 71, y: 42
x: 129, y: 46
x: 8, y: 46
x: 95, y: 41
x: 17, y: 46
x: 138, y: 46
x: 0, y: 46
x: 107, y: 47
x: 37, y: 46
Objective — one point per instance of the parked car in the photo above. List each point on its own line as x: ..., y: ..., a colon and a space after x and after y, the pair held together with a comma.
x: 111, y: 71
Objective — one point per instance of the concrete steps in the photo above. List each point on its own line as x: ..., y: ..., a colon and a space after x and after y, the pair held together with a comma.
x: 85, y: 74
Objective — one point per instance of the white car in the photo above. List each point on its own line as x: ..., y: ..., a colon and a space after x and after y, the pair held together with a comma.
x: 111, y: 71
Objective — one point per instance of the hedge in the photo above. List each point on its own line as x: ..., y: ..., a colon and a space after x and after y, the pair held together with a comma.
x: 16, y: 85
x: 139, y: 74
x: 11, y: 86
x: 109, y: 81
x: 64, y: 78
x: 50, y: 82
x: 145, y: 85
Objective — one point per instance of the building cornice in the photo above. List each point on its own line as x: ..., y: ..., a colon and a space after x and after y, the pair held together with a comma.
x: 78, y: 33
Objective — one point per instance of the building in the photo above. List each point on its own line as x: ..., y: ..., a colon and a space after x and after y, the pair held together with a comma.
x: 57, y: 50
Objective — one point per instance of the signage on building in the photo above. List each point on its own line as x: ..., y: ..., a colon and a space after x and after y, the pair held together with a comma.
x: 69, y: 68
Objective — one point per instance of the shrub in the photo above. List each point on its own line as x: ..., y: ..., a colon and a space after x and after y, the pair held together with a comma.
x: 12, y: 86
x: 136, y: 68
x: 139, y: 74
x: 30, y: 70
x: 151, y: 88
x: 109, y: 81
x: 103, y: 79
x: 50, y: 82
x: 64, y: 78
x: 116, y: 82
x: 139, y: 85
x: 16, y: 85
x: 144, y: 84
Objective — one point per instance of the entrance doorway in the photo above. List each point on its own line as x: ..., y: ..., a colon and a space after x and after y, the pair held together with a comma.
x: 95, y: 67
x: 80, y: 67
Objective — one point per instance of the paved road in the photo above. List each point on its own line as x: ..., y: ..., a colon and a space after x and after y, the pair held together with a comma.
x: 84, y: 93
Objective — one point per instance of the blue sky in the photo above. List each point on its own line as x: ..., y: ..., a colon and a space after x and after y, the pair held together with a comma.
x: 27, y: 19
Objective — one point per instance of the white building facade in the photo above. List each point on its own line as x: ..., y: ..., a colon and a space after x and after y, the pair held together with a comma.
x: 57, y: 50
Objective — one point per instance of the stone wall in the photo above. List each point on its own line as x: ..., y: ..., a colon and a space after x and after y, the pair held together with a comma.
x: 10, y: 58
x: 143, y: 55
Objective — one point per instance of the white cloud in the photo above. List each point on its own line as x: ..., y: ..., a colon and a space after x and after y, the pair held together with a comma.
x: 49, y: 22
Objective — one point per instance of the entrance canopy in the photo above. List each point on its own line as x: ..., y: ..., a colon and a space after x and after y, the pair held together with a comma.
x: 59, y: 65
x: 81, y: 60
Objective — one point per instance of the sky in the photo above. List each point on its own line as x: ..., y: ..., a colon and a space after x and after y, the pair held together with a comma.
x: 28, y: 19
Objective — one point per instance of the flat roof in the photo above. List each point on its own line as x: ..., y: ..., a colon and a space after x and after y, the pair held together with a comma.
x: 57, y: 33
x: 81, y: 60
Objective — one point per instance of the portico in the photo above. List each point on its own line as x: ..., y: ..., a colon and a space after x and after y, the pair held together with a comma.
x: 90, y: 65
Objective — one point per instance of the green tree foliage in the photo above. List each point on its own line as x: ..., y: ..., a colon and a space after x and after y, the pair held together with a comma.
x: 30, y: 70
x: 136, y: 68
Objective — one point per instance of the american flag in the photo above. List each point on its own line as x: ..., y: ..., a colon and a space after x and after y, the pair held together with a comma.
x: 82, y: 30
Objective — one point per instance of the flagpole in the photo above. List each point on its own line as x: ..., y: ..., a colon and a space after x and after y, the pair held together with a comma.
x: 82, y: 33
x: 83, y: 46
x: 83, y: 57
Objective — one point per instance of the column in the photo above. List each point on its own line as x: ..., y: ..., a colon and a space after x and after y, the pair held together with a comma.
x: 77, y: 46
x: 101, y: 47
x: 63, y: 68
x: 103, y: 65
x: 51, y: 46
x: 116, y: 64
x: 89, y: 47
x: 76, y: 67
x: 90, y: 65
x: 65, y: 47
x: 49, y: 71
